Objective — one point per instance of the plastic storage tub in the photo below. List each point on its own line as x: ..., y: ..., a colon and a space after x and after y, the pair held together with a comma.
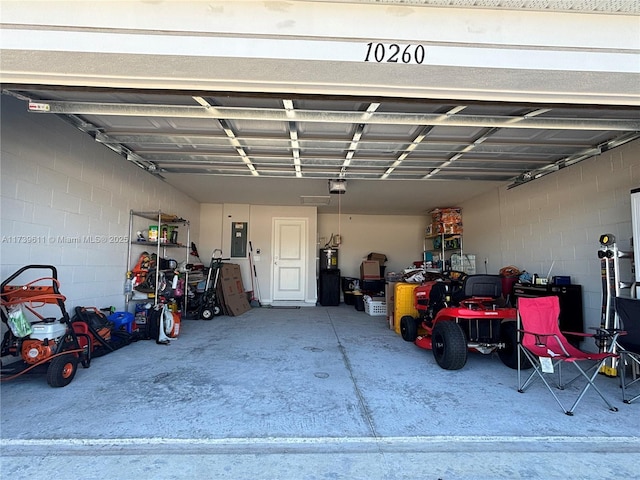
x: 403, y: 303
x: 375, y: 308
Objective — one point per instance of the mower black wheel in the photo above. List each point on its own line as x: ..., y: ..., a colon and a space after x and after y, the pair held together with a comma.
x: 449, y: 345
x: 61, y: 370
x: 509, y: 354
x: 409, y: 328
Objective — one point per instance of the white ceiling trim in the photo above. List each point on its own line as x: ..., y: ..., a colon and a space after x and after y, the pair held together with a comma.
x: 325, y: 47
x: 322, y: 50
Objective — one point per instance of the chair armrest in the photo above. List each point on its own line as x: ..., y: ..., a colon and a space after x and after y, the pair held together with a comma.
x: 579, y: 334
x: 537, y: 334
x: 608, y: 331
x: 540, y: 343
x: 607, y: 337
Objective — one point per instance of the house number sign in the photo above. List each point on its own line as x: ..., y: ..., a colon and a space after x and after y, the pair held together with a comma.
x: 394, y: 53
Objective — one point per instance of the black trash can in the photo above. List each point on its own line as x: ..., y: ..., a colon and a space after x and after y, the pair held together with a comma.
x: 329, y: 288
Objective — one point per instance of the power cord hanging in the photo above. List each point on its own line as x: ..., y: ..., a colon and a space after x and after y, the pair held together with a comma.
x: 339, y: 220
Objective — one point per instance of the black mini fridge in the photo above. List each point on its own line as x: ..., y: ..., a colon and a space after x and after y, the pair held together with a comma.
x: 329, y: 288
x: 570, y: 296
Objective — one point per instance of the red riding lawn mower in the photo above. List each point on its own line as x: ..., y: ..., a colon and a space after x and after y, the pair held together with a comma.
x: 49, y: 344
x: 460, y: 313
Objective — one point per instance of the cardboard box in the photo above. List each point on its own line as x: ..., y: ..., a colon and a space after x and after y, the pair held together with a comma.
x: 446, y: 221
x: 430, y: 230
x: 390, y: 299
x: 233, y: 294
x: 370, y: 270
x: 379, y: 257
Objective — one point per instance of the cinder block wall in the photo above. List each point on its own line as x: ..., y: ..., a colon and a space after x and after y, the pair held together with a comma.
x: 558, y: 220
x: 66, y: 202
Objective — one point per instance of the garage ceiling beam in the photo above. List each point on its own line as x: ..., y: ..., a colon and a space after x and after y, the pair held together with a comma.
x: 327, y: 116
x: 370, y: 144
x: 163, y: 156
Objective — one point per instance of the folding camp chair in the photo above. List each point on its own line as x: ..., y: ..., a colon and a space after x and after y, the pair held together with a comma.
x: 547, y: 349
x: 628, y: 310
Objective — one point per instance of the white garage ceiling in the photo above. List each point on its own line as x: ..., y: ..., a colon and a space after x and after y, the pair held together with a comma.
x: 265, y: 102
x: 396, y: 156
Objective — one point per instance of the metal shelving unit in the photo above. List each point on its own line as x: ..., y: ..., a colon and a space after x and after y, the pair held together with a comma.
x: 161, y: 246
x: 447, y: 233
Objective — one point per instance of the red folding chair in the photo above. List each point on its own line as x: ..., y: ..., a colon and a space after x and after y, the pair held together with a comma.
x: 547, y: 349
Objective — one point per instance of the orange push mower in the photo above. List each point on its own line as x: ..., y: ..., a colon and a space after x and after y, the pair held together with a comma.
x: 49, y: 344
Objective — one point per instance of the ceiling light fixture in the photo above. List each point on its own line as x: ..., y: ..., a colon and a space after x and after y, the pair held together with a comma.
x: 338, y: 186
x: 288, y: 104
x: 295, y: 147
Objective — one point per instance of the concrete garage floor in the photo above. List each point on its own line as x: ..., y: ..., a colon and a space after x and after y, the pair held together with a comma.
x: 309, y: 393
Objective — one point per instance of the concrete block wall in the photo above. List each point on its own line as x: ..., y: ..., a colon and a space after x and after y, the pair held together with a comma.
x: 557, y: 220
x: 65, y: 201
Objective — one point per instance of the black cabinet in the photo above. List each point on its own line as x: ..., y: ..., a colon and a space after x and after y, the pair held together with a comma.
x: 570, y: 296
x: 329, y: 288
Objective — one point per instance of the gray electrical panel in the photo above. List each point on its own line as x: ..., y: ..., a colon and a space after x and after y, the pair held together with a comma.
x: 239, y: 239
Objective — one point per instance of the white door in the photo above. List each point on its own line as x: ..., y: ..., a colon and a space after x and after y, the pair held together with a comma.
x: 289, y: 258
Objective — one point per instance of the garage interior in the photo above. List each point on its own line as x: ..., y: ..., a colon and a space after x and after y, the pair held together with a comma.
x: 540, y: 157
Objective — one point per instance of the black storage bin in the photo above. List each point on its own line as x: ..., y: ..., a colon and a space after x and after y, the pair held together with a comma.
x: 570, y: 296
x: 349, y: 298
x: 348, y: 283
x: 372, y: 287
x: 358, y: 301
x: 329, y: 288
